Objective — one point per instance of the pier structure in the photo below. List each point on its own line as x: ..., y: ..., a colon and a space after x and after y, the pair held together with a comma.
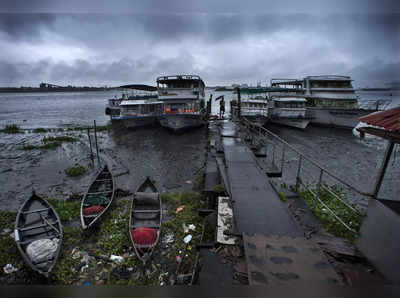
x: 260, y: 171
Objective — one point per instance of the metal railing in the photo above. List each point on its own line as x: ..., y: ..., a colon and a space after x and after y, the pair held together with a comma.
x: 300, y: 170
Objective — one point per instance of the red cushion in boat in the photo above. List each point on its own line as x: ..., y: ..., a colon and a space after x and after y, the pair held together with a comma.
x: 144, y: 236
x: 95, y: 209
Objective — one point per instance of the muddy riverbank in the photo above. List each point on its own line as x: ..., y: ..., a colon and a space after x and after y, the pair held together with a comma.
x: 174, y: 161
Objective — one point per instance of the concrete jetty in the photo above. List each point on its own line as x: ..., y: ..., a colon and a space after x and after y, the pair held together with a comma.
x: 257, y: 207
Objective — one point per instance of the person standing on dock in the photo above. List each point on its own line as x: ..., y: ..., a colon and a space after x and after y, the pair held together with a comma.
x: 221, y: 106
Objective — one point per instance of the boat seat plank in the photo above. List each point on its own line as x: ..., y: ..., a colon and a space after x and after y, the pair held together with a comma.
x: 34, y: 211
x: 135, y: 226
x: 100, y: 180
x: 146, y: 195
x: 100, y: 192
x: 36, y: 227
x: 44, y: 261
x: 146, y: 211
x: 145, y: 245
x: 32, y: 240
x: 91, y: 215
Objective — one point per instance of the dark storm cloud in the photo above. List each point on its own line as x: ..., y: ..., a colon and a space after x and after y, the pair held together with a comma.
x: 207, y: 6
x: 25, y: 26
x: 221, y: 47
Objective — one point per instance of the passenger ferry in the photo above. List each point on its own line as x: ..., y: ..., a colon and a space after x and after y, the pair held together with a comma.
x: 255, y: 108
x: 183, y: 98
x: 140, y: 110
x: 330, y: 99
x: 289, y: 111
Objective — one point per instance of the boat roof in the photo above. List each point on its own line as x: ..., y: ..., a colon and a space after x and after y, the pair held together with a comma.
x: 388, y: 119
x: 139, y: 102
x: 288, y: 99
x: 178, y: 78
x: 329, y: 78
x: 139, y: 87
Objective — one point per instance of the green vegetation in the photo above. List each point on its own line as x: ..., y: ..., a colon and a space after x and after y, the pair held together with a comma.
x: 219, y: 188
x: 58, y: 139
x: 12, y: 128
x: 329, y: 222
x: 40, y: 129
x: 50, y: 143
x: 283, y: 197
x: 75, y: 171
x: 189, y: 215
x: 66, y: 209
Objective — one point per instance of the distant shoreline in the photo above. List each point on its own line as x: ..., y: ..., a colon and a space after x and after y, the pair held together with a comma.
x: 60, y: 89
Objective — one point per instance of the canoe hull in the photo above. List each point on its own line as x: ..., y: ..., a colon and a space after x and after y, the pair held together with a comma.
x: 38, y: 220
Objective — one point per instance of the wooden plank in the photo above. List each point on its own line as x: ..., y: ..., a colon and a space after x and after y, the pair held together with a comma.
x: 101, y: 192
x: 146, y: 211
x: 35, y: 227
x: 282, y: 260
x: 35, y: 211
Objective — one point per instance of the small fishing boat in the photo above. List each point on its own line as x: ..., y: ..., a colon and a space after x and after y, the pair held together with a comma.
x: 98, y: 198
x: 38, y: 234
x: 145, y: 219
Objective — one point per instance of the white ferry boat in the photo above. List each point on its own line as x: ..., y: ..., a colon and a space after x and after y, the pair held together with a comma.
x: 183, y: 97
x: 255, y: 109
x: 289, y: 111
x: 331, y: 99
x: 140, y: 111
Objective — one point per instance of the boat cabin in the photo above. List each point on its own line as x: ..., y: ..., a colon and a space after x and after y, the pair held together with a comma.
x: 188, y: 87
x: 143, y: 107
x: 288, y: 107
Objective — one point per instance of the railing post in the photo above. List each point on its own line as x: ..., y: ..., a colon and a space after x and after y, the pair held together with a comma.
x: 319, y: 184
x: 283, y: 158
x: 298, y: 173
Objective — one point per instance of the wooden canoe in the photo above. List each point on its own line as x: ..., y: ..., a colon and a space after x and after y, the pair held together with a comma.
x: 38, y: 220
x: 145, y: 214
x: 98, y: 198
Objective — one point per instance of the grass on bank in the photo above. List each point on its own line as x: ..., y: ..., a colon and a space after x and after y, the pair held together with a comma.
x: 50, y: 143
x: 12, y: 128
x: 329, y: 222
x: 76, y: 170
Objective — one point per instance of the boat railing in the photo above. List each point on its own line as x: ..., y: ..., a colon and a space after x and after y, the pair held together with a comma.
x: 378, y: 105
x: 305, y: 175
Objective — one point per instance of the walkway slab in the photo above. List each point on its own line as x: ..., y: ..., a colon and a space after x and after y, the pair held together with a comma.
x: 286, y: 261
x: 257, y: 207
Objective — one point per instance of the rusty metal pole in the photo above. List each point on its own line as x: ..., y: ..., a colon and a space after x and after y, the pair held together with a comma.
x: 97, y: 147
x: 283, y: 158
x: 388, y: 153
x: 90, y: 145
x: 298, y: 173
x: 239, y: 103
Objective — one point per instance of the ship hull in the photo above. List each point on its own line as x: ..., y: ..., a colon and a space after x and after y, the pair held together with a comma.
x: 297, y: 123
x: 179, y: 123
x: 133, y: 122
x: 342, y: 118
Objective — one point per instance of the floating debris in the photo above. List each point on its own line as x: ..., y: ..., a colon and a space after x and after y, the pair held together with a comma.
x: 9, y: 268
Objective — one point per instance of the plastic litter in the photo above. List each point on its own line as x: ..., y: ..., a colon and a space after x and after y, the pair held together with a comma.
x: 192, y: 227
x: 185, y: 228
x: 115, y: 258
x: 178, y: 259
x: 9, y: 268
x: 180, y: 208
x: 42, y: 250
x: 187, y: 239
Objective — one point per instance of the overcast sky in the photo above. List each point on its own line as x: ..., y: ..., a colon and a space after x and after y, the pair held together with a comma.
x: 51, y: 41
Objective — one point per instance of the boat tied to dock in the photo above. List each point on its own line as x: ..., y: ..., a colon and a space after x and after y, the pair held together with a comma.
x: 183, y: 98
